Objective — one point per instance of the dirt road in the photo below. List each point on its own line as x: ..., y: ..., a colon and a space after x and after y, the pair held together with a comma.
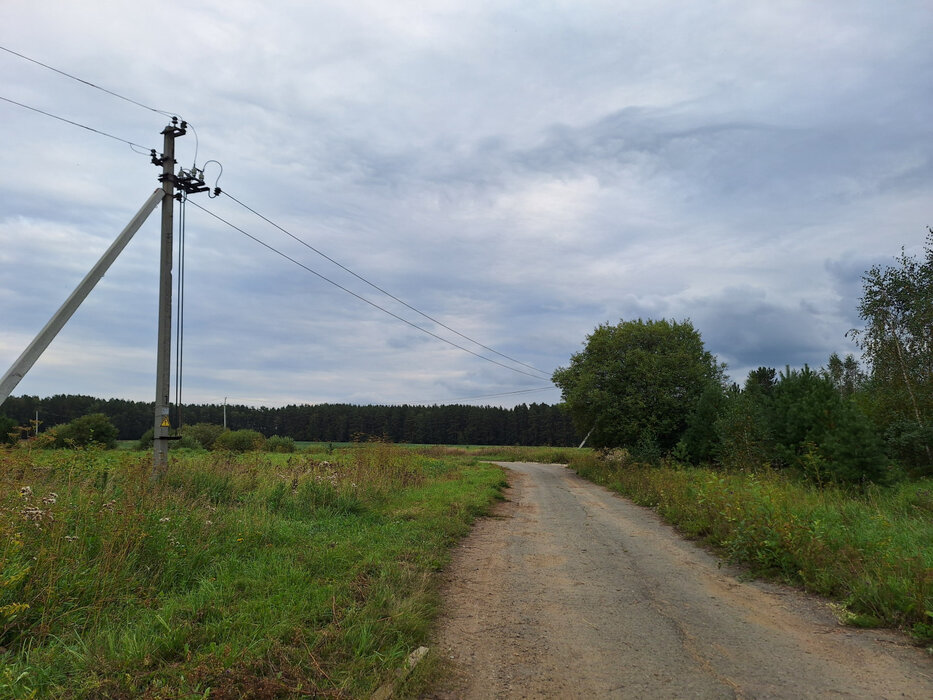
x: 573, y: 592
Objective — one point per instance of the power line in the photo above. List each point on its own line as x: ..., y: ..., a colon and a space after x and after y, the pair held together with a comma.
x: 269, y: 221
x: 261, y: 216
x: 361, y: 298
x: 380, y: 289
x: 86, y: 82
x: 134, y: 146
x: 102, y: 89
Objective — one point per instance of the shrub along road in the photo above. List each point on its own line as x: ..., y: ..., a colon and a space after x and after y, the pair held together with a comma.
x: 576, y: 592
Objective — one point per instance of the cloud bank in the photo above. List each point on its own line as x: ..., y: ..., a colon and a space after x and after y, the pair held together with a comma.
x: 519, y: 173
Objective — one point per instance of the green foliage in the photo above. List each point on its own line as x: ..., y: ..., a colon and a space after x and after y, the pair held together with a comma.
x: 203, y: 433
x: 802, y: 410
x: 853, y: 449
x: 804, y: 420
x: 239, y: 441
x: 700, y: 443
x: 92, y: 429
x: 761, y: 381
x: 636, y: 383
x: 650, y: 386
x: 812, y: 422
x: 185, y: 442
x: 145, y: 440
x: 810, y: 418
x: 278, y: 443
x: 907, y: 441
x: 742, y: 428
x: 525, y: 424
x: 9, y: 431
x: 846, y: 375
x: 897, y: 307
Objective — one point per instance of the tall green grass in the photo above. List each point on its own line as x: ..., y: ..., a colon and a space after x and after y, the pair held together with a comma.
x: 517, y: 453
x: 255, y: 575
x: 871, y: 549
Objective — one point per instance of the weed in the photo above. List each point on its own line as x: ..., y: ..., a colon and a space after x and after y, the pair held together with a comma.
x: 273, y: 575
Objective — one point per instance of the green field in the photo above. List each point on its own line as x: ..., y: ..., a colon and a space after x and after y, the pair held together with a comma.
x: 270, y: 575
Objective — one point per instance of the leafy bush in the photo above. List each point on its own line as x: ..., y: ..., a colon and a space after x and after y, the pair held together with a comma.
x: 239, y: 441
x: 92, y: 429
x: 186, y: 441
x: 907, y: 442
x: 280, y: 443
x: 145, y: 440
x: 203, y: 433
x: 9, y: 431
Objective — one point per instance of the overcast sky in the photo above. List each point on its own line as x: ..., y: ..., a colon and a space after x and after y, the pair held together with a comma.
x: 519, y: 171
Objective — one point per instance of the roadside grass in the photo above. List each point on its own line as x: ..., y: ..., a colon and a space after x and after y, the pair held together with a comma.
x: 500, y: 453
x: 870, y: 549
x: 260, y: 575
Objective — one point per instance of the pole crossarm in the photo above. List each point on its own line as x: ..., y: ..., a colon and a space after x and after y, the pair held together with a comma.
x: 60, y: 318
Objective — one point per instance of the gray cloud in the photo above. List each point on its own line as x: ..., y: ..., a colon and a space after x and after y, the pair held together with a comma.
x: 522, y: 173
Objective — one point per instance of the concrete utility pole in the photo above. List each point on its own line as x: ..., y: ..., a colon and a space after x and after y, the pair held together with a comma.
x: 189, y: 182
x: 162, y: 424
x: 186, y: 181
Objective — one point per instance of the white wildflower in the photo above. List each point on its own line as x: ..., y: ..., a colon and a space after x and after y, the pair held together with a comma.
x: 36, y: 515
x: 32, y: 513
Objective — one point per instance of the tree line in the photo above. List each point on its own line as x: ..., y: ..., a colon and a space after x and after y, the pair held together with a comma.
x: 525, y: 424
x: 652, y: 388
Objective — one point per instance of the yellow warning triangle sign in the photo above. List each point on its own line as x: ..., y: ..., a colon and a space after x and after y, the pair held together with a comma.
x: 165, y: 423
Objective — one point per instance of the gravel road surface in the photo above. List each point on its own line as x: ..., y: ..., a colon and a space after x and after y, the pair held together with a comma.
x: 570, y: 591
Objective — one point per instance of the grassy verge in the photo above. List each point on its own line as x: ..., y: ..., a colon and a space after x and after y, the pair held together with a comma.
x: 872, y: 550
x: 260, y: 576
x: 546, y: 455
